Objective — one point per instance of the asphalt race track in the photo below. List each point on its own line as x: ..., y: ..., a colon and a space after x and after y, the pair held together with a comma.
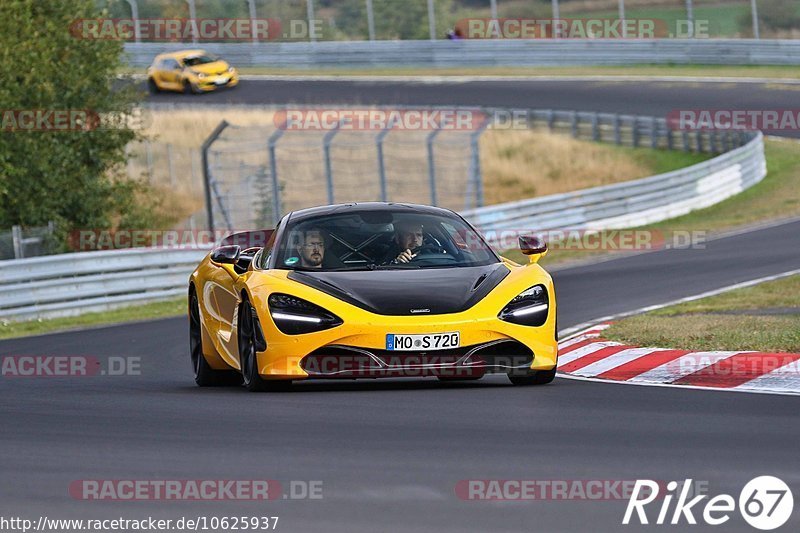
x: 631, y: 97
x: 389, y: 454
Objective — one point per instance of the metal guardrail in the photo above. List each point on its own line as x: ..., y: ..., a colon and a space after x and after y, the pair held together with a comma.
x: 632, y: 203
x: 484, y: 53
x: 69, y: 284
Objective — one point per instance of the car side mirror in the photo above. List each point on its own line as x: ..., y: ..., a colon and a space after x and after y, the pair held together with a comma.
x: 225, y: 255
x: 533, y: 246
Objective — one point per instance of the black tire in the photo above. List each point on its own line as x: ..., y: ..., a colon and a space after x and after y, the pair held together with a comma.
x: 152, y: 86
x: 188, y: 88
x: 247, y: 354
x: 538, y: 377
x: 204, y: 375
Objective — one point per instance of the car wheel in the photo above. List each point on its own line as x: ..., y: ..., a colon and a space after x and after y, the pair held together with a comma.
x: 188, y: 88
x: 247, y: 354
x: 537, y: 377
x: 204, y: 375
x: 152, y: 86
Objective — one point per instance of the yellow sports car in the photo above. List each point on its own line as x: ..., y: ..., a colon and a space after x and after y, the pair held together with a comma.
x: 190, y: 71
x: 369, y: 290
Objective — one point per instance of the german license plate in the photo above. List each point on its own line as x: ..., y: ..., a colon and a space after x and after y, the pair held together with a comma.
x: 423, y: 342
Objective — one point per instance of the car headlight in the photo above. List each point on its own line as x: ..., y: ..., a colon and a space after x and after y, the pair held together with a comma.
x: 529, y: 308
x: 231, y: 70
x: 294, y: 316
x: 199, y: 75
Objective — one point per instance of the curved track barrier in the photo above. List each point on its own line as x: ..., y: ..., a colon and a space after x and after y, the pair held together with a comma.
x: 487, y: 53
x: 633, y: 203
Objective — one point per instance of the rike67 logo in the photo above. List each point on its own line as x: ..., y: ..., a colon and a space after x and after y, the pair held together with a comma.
x: 765, y: 503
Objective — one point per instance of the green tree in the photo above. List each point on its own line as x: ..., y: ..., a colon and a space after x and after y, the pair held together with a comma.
x: 70, y: 177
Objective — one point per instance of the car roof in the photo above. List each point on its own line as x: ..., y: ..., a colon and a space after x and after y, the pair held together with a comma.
x: 182, y: 54
x: 359, y: 207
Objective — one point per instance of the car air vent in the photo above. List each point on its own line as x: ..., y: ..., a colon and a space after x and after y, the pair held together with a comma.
x: 478, y: 282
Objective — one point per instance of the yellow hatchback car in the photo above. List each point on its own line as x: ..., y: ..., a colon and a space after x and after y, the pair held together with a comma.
x: 190, y: 71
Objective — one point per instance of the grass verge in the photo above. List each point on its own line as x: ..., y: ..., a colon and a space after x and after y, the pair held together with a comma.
x: 175, y: 307
x: 776, y: 196
x: 765, y: 318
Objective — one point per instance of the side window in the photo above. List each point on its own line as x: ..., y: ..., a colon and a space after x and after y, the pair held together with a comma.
x: 266, y: 251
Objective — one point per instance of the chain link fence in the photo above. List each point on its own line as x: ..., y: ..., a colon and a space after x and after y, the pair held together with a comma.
x: 257, y: 174
x: 20, y: 242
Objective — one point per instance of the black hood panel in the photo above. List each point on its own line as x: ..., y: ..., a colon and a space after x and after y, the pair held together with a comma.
x: 408, y: 292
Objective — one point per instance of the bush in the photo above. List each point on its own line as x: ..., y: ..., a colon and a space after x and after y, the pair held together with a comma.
x: 70, y: 177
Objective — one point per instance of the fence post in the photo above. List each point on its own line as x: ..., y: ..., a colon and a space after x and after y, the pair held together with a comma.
x: 251, y: 4
x: 475, y: 162
x: 273, y: 172
x: 635, y: 131
x: 617, y: 129
x: 326, y: 145
x: 699, y: 139
x: 551, y: 119
x: 207, y: 169
x: 595, y: 128
x: 432, y: 165
x: 193, y: 16
x: 654, y: 131
x: 685, y: 139
x: 431, y: 20
x: 137, y: 32
x: 381, y: 163
x: 170, y: 165
x: 149, y: 156
x: 370, y: 21
x: 16, y: 239
x: 310, y: 16
x: 574, y: 124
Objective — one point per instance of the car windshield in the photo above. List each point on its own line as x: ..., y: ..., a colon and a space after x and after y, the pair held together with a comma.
x: 199, y: 60
x: 381, y: 239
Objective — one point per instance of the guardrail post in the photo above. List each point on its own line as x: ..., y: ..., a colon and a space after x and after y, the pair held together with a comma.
x: 595, y: 128
x: 273, y: 174
x: 551, y: 119
x: 381, y: 163
x: 326, y: 145
x: 670, y: 139
x: 635, y: 132
x: 617, y: 129
x: 699, y: 141
x: 207, y: 169
x: 574, y: 124
x: 432, y: 165
x: 685, y: 140
x: 712, y: 141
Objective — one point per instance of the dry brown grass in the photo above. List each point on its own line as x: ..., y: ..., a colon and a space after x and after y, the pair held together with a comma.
x: 524, y: 164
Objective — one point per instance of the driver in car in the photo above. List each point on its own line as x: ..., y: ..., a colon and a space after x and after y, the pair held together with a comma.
x: 407, y: 244
x: 312, y: 249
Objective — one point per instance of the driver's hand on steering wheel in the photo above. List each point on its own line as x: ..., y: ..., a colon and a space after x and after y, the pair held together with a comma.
x: 405, y: 256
